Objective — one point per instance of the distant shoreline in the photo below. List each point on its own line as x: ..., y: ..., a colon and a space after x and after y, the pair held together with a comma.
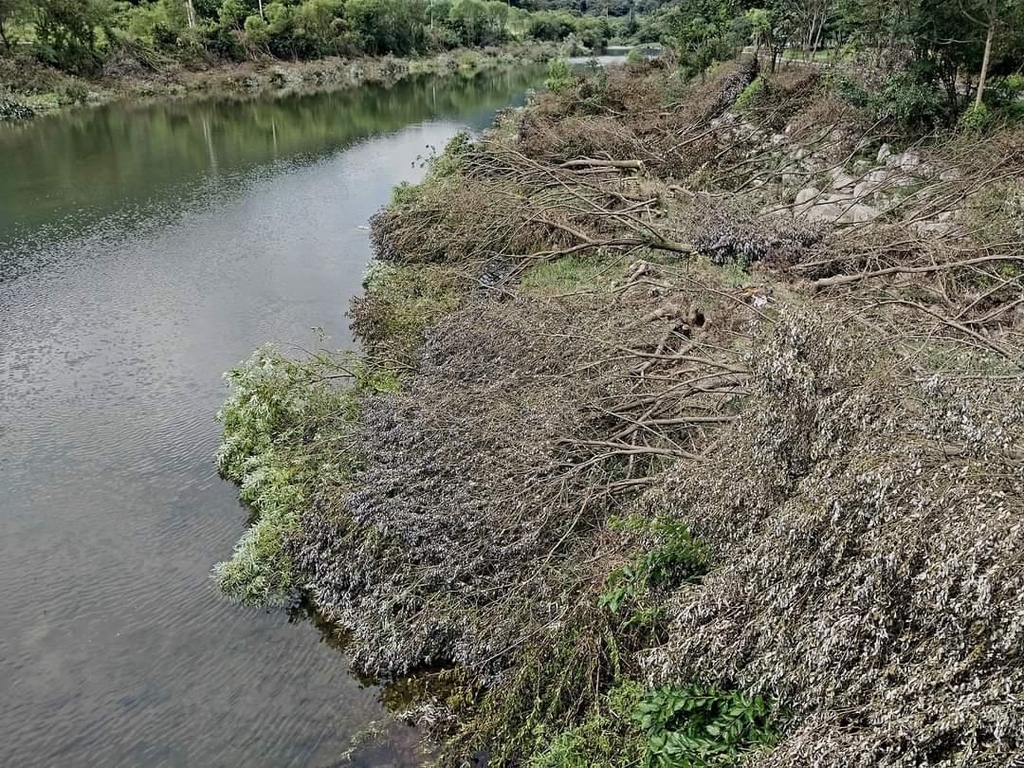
x: 254, y: 77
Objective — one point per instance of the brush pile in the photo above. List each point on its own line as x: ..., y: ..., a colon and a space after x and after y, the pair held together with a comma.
x: 708, y: 394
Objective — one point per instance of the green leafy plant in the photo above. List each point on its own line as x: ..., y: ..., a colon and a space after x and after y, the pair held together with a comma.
x: 975, y: 119
x: 674, y: 558
x: 560, y: 76
x: 283, y: 429
x: 635, y: 56
x: 696, y: 726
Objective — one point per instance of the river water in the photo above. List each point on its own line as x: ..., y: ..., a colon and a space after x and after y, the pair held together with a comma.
x: 144, y: 250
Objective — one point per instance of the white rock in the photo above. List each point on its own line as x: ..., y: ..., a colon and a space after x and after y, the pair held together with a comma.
x: 951, y: 174
x: 778, y: 139
x: 858, y: 214
x: 824, y: 212
x: 806, y: 195
x: 878, y: 176
x: 906, y: 161
x: 934, y: 228
x: 842, y: 180
x: 884, y: 153
x: 864, y: 189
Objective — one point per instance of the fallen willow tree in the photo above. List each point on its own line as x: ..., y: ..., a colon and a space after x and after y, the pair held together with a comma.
x: 634, y: 469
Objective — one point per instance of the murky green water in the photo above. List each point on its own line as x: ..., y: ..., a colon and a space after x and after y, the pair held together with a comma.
x: 143, y: 251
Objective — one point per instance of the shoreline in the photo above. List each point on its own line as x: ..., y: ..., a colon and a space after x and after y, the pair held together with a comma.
x: 619, y: 403
x: 268, y: 76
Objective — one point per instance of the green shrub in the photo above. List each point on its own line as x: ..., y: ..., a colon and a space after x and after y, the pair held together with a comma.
x: 635, y: 57
x: 560, y: 76
x: 283, y: 430
x: 975, y: 119
x: 401, y: 302
x: 907, y: 101
x: 751, y: 94
x: 451, y: 160
x: 674, y: 557
x: 693, y: 726
x: 71, y: 93
x: 607, y: 738
x: 848, y: 89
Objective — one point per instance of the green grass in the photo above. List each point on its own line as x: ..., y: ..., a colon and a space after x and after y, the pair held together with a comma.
x: 569, y: 274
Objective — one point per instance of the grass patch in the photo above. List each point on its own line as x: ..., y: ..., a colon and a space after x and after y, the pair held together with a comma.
x: 607, y: 738
x: 400, y: 303
x: 569, y: 274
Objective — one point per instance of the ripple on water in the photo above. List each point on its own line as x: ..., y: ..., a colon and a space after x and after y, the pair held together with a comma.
x: 116, y: 320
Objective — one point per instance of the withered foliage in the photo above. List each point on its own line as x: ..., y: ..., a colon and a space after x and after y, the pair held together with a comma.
x: 807, y: 348
x: 868, y: 525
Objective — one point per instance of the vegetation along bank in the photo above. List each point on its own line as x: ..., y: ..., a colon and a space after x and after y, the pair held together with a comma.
x: 55, y: 53
x: 688, y: 426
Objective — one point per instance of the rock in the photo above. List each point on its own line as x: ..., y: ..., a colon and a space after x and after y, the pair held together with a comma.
x: 878, y: 176
x: 792, y: 179
x: 948, y: 216
x: 934, y: 228
x: 864, y: 189
x: 824, y: 212
x: 859, y: 214
x: 806, y: 195
x: 884, y: 153
x: 906, y: 161
x: 800, y: 153
x: 778, y: 139
x: 841, y: 180
x: 951, y: 174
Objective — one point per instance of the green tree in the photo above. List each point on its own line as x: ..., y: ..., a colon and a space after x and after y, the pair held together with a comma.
x: 66, y: 32
x: 10, y: 11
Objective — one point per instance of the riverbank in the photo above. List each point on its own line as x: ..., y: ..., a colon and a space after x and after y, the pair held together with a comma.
x: 688, y: 428
x: 29, y: 88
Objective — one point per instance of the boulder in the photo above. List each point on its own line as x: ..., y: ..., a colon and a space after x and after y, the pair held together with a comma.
x: 935, y: 229
x: 884, y: 153
x: 878, y: 176
x: 806, y: 195
x: 864, y: 189
x: 829, y: 212
x: 906, y: 161
x: 841, y: 180
x: 858, y: 214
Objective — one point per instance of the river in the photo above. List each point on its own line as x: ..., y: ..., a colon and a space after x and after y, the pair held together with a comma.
x: 144, y: 250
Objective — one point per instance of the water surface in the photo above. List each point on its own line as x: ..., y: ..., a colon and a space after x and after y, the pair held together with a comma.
x: 143, y: 251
